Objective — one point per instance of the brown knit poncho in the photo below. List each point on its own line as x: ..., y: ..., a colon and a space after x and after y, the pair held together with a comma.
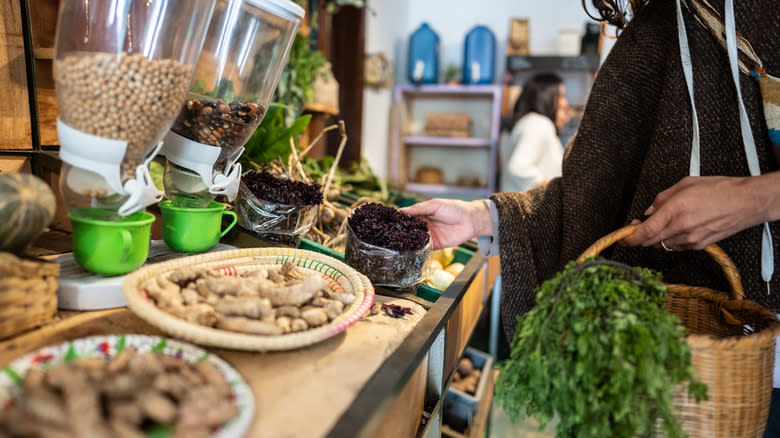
x: 634, y: 141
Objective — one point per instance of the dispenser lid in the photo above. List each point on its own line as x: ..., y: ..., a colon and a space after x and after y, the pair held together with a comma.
x: 284, y: 8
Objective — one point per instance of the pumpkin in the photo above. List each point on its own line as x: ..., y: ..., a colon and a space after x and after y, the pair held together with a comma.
x: 27, y: 207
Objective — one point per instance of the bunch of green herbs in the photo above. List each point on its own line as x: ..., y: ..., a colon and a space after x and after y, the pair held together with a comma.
x: 601, y: 353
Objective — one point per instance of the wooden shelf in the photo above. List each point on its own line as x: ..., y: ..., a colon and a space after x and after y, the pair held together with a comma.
x: 446, y: 188
x: 469, y: 142
x: 320, y: 108
x: 585, y: 63
x: 449, y: 90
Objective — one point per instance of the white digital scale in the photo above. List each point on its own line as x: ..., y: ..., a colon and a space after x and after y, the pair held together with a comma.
x: 82, y: 290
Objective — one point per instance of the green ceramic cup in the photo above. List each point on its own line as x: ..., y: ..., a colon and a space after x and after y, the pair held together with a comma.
x: 111, y: 247
x: 193, y: 230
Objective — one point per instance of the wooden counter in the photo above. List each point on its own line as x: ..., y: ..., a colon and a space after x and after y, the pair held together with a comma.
x: 384, y: 377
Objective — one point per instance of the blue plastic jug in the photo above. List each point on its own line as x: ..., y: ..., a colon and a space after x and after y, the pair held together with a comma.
x: 479, y: 56
x: 423, y: 66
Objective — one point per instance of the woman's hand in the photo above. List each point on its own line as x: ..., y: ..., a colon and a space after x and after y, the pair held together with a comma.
x: 452, y: 222
x: 699, y: 211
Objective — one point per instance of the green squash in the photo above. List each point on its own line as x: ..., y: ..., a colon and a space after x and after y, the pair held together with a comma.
x: 27, y: 207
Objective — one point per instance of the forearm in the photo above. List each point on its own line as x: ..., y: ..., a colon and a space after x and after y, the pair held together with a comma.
x: 480, y: 218
x: 764, y: 191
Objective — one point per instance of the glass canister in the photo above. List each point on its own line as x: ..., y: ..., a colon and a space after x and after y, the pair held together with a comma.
x: 122, y: 71
x: 245, y: 50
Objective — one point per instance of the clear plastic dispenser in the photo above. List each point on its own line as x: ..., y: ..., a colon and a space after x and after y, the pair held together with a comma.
x: 122, y: 71
x: 243, y: 56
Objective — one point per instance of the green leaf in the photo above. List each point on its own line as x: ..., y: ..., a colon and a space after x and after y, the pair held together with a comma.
x: 120, y: 344
x: 159, y: 431
x: 71, y: 354
x: 205, y: 356
x: 160, y: 345
x: 13, y: 375
x: 156, y: 171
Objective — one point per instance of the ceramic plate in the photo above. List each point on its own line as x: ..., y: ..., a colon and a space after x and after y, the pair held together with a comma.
x: 12, y: 378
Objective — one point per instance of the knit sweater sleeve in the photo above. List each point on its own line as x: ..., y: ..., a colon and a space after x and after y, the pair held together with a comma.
x: 544, y: 228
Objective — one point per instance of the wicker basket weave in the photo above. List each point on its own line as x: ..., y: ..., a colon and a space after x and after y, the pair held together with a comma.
x: 28, y: 293
x: 732, y: 343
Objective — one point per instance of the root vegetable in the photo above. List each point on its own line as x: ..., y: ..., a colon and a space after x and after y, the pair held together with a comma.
x: 296, y: 294
x: 246, y: 325
x: 256, y: 308
x: 333, y: 308
x: 190, y: 296
x: 299, y: 325
x: 126, y: 412
x: 122, y: 429
x: 157, y: 407
x: 183, y: 277
x: 146, y: 364
x: 210, y: 373
x: 221, y: 286
x: 284, y: 322
x: 120, y: 361
x: 202, y: 313
x: 291, y: 311
x: 171, y: 384
x: 315, y: 316
x: 46, y: 407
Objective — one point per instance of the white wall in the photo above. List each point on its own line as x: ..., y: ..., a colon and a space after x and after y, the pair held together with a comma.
x: 386, y: 21
x: 389, y: 23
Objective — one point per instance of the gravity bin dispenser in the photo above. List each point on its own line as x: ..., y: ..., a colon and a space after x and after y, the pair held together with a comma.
x: 122, y: 71
x: 245, y: 50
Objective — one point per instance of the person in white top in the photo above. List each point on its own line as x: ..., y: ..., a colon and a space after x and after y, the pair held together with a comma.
x: 536, y: 151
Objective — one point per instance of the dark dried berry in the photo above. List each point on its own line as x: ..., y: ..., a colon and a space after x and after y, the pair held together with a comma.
x: 284, y: 191
x: 386, y: 227
x: 395, y: 310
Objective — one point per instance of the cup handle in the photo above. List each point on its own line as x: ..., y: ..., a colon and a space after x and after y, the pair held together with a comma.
x: 127, y: 241
x: 232, y: 224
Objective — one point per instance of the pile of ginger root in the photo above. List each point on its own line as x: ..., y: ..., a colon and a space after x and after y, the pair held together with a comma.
x: 270, y: 301
x: 125, y: 397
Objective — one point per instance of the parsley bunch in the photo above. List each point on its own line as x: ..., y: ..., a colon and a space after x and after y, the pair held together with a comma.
x: 600, y: 351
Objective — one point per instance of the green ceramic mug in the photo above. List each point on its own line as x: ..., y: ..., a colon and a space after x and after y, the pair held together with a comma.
x: 193, y: 230
x: 109, y: 247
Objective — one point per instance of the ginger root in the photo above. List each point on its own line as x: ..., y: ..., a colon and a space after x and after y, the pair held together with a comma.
x: 246, y: 325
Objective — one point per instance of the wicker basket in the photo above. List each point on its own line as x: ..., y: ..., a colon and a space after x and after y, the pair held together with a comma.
x: 28, y: 293
x: 341, y: 277
x: 447, y: 125
x: 732, y: 343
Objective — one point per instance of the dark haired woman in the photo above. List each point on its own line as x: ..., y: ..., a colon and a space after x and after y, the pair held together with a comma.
x: 536, y: 153
x: 678, y: 131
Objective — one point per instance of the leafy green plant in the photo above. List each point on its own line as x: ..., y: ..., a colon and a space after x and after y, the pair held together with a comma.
x: 272, y: 137
x: 295, y: 86
x: 451, y: 73
x: 600, y: 351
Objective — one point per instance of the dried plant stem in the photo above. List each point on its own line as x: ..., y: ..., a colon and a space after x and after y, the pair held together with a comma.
x: 317, y: 138
x: 343, y: 132
x: 297, y: 162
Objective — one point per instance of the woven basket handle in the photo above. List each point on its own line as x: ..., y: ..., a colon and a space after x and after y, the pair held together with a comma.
x: 728, y: 267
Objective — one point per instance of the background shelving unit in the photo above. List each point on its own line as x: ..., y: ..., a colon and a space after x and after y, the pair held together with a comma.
x: 477, y: 154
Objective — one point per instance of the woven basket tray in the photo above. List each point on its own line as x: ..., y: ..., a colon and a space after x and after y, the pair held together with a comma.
x: 28, y: 293
x: 732, y: 343
x: 341, y: 277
